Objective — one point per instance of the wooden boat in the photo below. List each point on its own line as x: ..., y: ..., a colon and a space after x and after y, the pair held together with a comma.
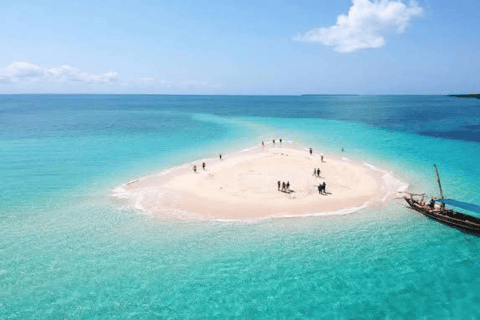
x: 450, y: 217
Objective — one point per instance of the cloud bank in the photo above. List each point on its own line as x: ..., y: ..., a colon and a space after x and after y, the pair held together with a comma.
x: 365, y: 25
x: 24, y: 72
x: 19, y: 77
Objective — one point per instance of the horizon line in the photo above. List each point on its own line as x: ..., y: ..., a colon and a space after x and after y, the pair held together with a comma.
x: 226, y: 94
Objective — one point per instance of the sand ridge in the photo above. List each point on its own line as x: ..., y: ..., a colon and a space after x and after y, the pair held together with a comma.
x: 244, y: 185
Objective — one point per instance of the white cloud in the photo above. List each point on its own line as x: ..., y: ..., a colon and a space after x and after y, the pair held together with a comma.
x: 22, y: 72
x: 27, y: 77
x: 364, y: 27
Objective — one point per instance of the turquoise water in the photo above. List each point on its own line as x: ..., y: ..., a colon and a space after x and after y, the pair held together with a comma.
x: 69, y: 249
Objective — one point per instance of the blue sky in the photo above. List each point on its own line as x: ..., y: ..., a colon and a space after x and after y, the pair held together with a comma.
x: 233, y: 47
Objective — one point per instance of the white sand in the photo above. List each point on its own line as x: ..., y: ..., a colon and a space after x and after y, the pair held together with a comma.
x: 244, y: 186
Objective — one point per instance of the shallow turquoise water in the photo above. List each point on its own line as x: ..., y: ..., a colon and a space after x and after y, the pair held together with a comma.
x: 69, y: 249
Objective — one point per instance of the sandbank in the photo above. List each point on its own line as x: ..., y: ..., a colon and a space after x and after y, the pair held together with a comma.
x: 243, y: 186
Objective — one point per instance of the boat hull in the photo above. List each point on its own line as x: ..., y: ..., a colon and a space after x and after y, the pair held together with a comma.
x: 449, y: 217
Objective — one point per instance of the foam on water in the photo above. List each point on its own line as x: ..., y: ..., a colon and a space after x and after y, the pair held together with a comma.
x: 391, y: 185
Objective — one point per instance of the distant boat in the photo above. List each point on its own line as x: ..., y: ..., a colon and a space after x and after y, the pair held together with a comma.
x: 447, y: 216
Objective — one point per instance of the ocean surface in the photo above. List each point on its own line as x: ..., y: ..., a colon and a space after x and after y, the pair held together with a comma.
x: 70, y: 249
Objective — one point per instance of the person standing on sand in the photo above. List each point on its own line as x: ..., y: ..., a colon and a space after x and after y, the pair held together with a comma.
x: 311, y: 151
x: 203, y: 165
x: 315, y: 172
x: 288, y: 186
x: 195, y: 169
x: 220, y: 156
x: 324, y: 186
x: 283, y: 186
x: 319, y: 188
x: 321, y: 157
x: 273, y: 141
x: 279, y: 183
x: 318, y: 172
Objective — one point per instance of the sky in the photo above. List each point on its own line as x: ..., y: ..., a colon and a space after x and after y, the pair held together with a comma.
x: 281, y: 47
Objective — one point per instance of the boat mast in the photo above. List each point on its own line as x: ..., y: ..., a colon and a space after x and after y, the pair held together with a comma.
x: 438, y: 180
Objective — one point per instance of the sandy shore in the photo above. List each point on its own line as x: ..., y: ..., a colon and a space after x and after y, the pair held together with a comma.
x: 244, y: 186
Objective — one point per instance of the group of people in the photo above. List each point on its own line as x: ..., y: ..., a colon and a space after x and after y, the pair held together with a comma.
x: 431, y: 205
x: 203, y: 165
x: 282, y: 186
x: 285, y: 187
x: 322, y: 156
x: 195, y: 167
x: 273, y: 141
x: 322, y: 188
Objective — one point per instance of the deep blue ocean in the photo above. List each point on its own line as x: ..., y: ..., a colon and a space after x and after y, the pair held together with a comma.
x: 69, y: 249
